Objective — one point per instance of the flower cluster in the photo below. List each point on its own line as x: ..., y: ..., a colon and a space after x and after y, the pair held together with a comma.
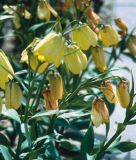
x: 59, y: 81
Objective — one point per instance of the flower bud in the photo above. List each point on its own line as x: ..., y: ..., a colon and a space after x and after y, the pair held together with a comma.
x: 75, y: 59
x: 93, y: 17
x: 56, y: 85
x: 84, y: 37
x: 0, y: 104
x: 123, y: 93
x: 121, y: 24
x: 35, y: 60
x: 51, y: 47
x: 108, y: 91
x: 100, y: 113
x: 43, y: 11
x: 13, y: 95
x: 109, y: 36
x: 99, y: 58
x: 5, y: 69
x: 131, y: 47
x: 51, y: 103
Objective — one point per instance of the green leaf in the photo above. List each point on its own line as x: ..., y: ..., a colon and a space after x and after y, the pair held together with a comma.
x: 34, y: 154
x: 126, y: 146
x: 3, y: 140
x: 12, y: 114
x: 74, y: 114
x: 52, y: 152
x: 58, y: 27
x: 50, y: 137
x: 70, y: 145
x: 87, y: 142
x: 24, y: 71
x: 37, y: 26
x: 43, y: 114
x: 62, y: 122
x: 132, y: 122
x: 5, y: 153
x: 4, y: 17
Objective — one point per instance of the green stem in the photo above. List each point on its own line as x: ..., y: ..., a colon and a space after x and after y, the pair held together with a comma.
x: 113, y: 138
x: 28, y: 135
x: 120, y: 129
x: 102, y: 151
x: 39, y: 91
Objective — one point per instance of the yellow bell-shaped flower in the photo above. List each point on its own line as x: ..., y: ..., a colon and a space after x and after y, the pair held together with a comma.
x: 6, y: 70
x: 99, y: 58
x: 75, y: 59
x: 123, y: 93
x: 84, y: 36
x: 107, y: 88
x: 13, y: 95
x: 100, y: 113
x: 109, y: 36
x: 56, y: 85
x: 52, y: 48
x: 43, y: 11
x: 35, y: 60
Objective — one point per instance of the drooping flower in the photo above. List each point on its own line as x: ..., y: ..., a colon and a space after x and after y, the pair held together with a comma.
x: 13, y: 95
x: 121, y: 24
x: 44, y: 10
x: 56, y: 85
x: 6, y: 70
x: 35, y: 61
x: 84, y: 36
x: 109, y: 36
x: 50, y: 102
x: 108, y: 91
x: 75, y: 59
x: 93, y: 17
x: 123, y: 93
x: 99, y: 58
x: 100, y: 113
x: 52, y: 48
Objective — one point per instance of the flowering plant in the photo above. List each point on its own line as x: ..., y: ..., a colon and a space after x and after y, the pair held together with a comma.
x: 62, y: 86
